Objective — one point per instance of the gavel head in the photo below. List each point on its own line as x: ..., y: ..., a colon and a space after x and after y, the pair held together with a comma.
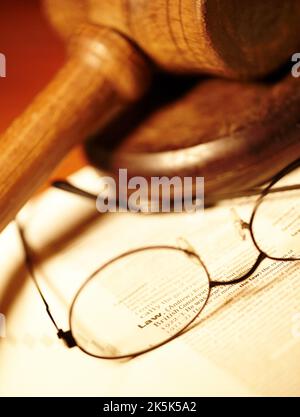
x: 231, y: 38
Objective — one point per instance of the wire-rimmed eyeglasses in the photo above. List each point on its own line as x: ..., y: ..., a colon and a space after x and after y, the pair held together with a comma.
x: 146, y: 297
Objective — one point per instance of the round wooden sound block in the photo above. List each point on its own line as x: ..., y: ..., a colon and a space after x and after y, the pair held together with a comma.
x: 235, y: 135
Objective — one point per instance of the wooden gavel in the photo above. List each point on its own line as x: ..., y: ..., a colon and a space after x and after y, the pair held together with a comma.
x: 113, y: 47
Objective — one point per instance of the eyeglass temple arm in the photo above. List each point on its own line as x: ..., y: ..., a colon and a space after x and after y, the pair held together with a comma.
x: 280, y: 189
x: 66, y: 336
x: 70, y: 188
x: 256, y: 191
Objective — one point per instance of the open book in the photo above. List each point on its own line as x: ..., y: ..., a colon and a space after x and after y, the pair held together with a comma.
x: 245, y: 342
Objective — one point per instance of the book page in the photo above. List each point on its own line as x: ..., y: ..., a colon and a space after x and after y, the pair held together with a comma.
x: 245, y: 342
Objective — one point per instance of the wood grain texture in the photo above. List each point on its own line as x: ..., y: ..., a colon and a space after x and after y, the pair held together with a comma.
x: 235, y: 135
x: 107, y: 70
x: 23, y: 47
x: 86, y: 93
x: 233, y: 38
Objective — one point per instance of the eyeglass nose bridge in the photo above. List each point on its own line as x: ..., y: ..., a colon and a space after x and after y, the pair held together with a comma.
x: 261, y: 257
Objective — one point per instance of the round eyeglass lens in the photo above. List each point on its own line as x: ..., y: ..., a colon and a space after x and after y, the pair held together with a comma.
x: 138, y: 301
x: 276, y: 222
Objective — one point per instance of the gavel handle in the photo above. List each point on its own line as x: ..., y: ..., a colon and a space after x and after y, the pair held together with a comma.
x: 103, y: 74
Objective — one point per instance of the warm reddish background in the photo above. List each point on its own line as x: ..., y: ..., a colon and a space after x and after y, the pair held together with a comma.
x: 33, y: 53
